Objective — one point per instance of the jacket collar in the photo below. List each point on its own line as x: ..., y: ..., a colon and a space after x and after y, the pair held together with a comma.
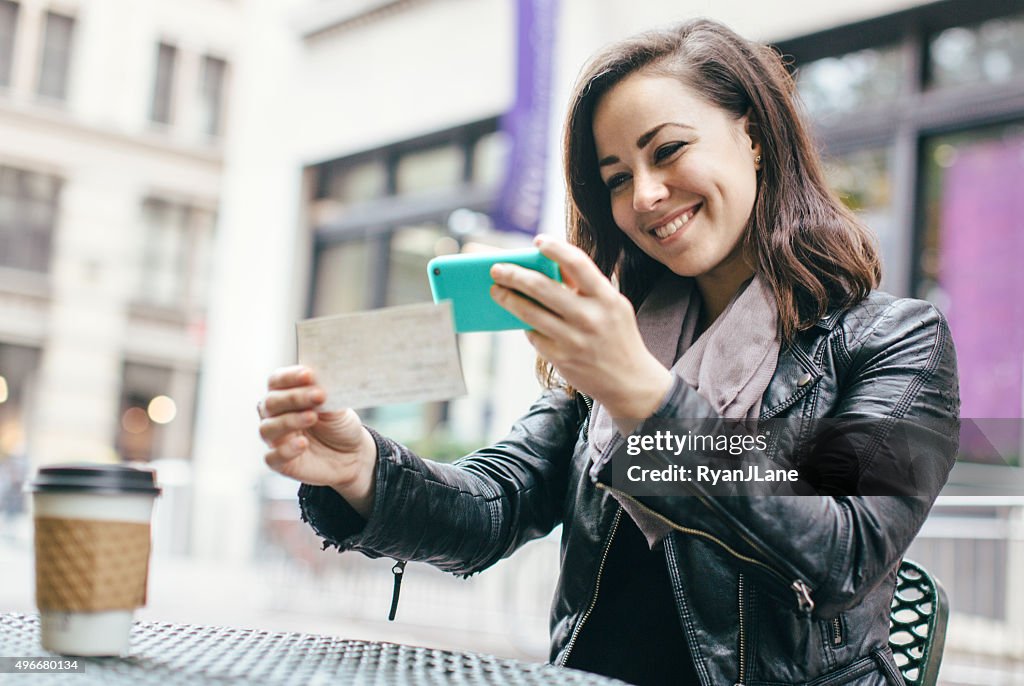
x: 831, y: 318
x: 795, y: 375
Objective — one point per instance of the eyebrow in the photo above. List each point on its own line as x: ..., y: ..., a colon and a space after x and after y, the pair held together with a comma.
x: 643, y: 140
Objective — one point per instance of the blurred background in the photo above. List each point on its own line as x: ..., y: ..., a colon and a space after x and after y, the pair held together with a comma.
x: 181, y: 181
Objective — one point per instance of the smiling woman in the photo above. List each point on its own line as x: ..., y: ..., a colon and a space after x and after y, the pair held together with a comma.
x: 724, y: 96
x: 709, y: 275
x: 682, y: 192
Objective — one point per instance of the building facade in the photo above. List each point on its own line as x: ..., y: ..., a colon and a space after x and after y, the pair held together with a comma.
x: 112, y: 117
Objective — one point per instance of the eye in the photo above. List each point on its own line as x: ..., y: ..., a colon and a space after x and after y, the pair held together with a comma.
x: 666, y: 151
x: 615, y: 181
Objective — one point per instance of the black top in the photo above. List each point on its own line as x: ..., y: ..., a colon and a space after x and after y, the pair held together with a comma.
x: 634, y: 633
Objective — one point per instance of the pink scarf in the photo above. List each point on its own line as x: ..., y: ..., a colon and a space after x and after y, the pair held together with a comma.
x: 730, y: 364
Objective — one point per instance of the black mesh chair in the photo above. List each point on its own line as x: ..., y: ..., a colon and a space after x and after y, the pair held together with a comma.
x: 918, y: 618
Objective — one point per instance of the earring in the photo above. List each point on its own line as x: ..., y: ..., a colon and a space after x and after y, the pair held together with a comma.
x: 757, y: 159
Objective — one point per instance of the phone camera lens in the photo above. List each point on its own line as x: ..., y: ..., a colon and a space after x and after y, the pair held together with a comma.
x: 437, y: 271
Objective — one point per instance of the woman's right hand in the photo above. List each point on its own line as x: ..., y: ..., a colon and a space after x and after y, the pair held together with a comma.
x: 317, y: 448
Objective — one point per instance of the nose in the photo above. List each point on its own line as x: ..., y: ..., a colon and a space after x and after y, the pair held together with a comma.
x: 648, y: 191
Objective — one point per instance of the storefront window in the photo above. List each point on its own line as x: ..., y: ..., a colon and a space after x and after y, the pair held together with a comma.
x: 357, y: 183
x: 972, y: 249
x: 411, y: 248
x: 990, y: 52
x: 489, y: 158
x: 378, y: 217
x: 842, y: 84
x: 155, y: 418
x: 18, y: 366
x: 342, y: 278
x: 863, y: 179
x: 430, y: 169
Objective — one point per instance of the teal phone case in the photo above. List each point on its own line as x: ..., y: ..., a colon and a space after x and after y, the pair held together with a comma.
x: 465, y: 279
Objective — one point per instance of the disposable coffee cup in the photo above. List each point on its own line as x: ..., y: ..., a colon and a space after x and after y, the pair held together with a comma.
x: 92, y: 545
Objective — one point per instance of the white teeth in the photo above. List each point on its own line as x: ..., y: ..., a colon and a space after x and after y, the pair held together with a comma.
x: 674, y: 225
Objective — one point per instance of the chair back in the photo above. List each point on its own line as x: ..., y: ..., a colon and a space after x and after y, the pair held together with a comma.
x: 917, y: 624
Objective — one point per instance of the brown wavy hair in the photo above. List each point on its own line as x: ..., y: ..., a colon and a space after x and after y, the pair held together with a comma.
x: 804, y: 242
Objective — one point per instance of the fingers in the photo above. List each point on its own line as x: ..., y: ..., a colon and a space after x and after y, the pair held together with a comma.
x: 276, y: 430
x: 289, y: 407
x: 538, y: 317
x: 577, y: 269
x: 290, y: 377
x: 546, y: 291
x: 286, y: 452
x: 292, y: 400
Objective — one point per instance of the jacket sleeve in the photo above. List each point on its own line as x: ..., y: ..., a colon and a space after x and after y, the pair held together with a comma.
x: 465, y: 516
x: 831, y: 550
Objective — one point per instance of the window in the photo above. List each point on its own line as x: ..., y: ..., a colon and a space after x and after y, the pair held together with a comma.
x: 160, y: 109
x: 357, y: 182
x: 489, y: 158
x: 387, y: 213
x: 430, y: 169
x: 8, y: 29
x: 154, y: 421
x: 342, y: 275
x: 989, y: 52
x: 18, y: 367
x: 56, y: 56
x: 212, y: 94
x: 177, y: 243
x: 28, y: 212
x: 970, y: 260
x: 921, y: 115
x: 863, y: 179
x: 852, y: 81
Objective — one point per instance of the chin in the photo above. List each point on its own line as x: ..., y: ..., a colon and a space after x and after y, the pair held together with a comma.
x: 690, y: 268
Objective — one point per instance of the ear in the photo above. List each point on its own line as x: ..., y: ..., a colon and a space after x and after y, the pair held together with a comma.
x: 753, y: 130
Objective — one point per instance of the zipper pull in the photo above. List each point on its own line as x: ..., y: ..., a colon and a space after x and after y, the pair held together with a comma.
x: 803, y: 596
x: 398, y: 570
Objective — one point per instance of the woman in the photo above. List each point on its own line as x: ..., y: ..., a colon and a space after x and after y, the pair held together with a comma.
x: 711, y: 275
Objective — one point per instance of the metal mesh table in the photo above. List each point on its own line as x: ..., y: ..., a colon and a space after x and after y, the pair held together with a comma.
x: 173, y: 654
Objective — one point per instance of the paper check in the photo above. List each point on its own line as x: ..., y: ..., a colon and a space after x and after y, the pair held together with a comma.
x: 395, y: 355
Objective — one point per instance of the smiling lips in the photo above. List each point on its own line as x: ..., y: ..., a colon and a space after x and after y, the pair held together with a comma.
x: 668, y: 228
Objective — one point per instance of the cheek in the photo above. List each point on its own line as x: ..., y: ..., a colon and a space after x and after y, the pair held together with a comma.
x: 746, y: 194
x: 622, y: 211
x: 735, y: 189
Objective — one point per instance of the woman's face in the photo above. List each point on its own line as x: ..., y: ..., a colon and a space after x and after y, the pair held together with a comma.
x: 680, y: 173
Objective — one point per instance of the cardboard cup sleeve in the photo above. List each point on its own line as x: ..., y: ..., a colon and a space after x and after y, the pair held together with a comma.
x: 87, y: 565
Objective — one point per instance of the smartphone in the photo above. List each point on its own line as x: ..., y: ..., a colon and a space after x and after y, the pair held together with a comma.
x: 465, y: 279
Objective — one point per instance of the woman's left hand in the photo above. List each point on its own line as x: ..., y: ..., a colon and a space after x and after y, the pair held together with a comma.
x: 586, y: 329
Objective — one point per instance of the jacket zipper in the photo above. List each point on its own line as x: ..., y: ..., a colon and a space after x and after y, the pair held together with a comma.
x: 743, y: 634
x: 589, y: 402
x: 837, y: 631
x: 597, y: 588
x: 799, y: 586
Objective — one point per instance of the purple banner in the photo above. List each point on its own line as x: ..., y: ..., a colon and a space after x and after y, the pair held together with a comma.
x: 520, y: 200
x: 982, y: 273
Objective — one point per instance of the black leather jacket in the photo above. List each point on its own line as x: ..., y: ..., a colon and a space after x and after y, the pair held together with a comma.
x: 771, y: 589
